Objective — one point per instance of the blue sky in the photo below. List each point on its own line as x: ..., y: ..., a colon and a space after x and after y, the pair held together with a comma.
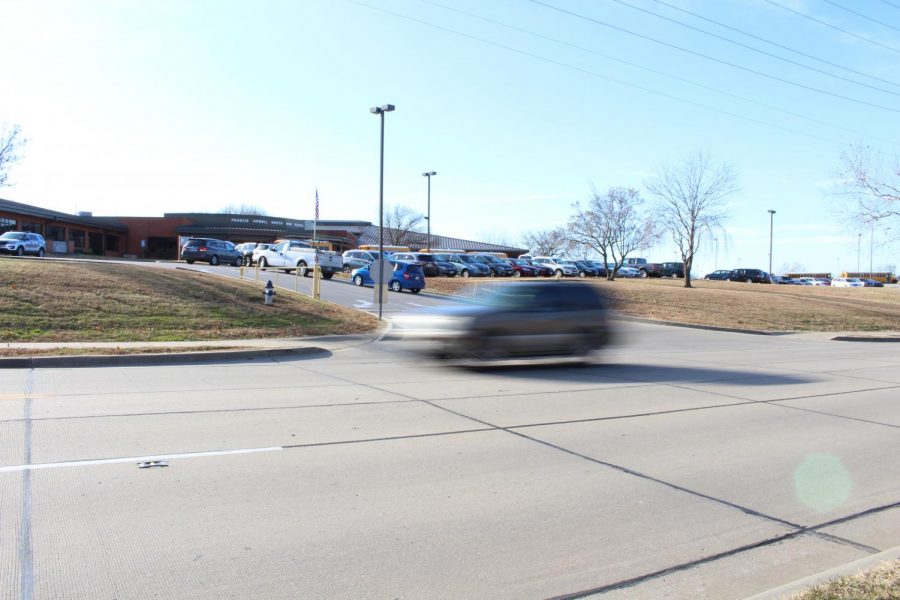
x: 141, y: 108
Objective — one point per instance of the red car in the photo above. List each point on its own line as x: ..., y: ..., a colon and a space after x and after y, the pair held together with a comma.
x: 542, y: 270
x: 522, y: 268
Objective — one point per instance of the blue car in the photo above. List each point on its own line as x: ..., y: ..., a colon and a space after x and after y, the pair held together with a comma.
x: 406, y: 276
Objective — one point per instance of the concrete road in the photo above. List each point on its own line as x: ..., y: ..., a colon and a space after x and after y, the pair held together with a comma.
x: 683, y: 464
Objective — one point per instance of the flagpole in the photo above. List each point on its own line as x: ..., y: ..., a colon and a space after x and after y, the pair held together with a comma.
x: 316, y: 290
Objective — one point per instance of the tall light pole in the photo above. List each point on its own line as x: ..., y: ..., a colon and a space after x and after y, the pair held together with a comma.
x: 716, y: 240
x: 858, y: 249
x: 771, y: 227
x: 429, y: 175
x: 380, y: 110
x: 871, y: 247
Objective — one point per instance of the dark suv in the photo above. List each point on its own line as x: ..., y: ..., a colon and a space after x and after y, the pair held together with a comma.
x: 429, y: 264
x: 749, y: 276
x: 532, y: 318
x: 211, y: 251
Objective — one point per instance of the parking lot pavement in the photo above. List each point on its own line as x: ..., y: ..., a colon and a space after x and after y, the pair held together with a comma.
x: 683, y: 463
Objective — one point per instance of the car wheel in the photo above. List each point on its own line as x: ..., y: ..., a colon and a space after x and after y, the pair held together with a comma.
x: 358, y: 280
x: 347, y: 268
x: 517, y: 273
x: 749, y: 280
x: 262, y: 263
x: 190, y: 262
x: 465, y: 273
x: 395, y: 286
x: 302, y: 269
x: 238, y: 262
x: 213, y: 260
x: 558, y: 273
x: 644, y: 274
x: 41, y: 252
x: 327, y: 275
x: 582, y: 274
x: 415, y: 290
x: 20, y: 251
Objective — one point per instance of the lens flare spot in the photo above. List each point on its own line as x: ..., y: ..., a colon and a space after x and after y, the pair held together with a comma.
x: 822, y: 483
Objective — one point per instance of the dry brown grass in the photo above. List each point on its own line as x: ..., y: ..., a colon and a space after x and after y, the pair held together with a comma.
x: 117, y: 351
x: 45, y: 301
x: 880, y: 583
x: 739, y: 305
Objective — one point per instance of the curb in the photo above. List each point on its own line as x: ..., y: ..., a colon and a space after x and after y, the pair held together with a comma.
x: 862, y: 338
x: 851, y: 568
x: 705, y: 327
x: 145, y: 360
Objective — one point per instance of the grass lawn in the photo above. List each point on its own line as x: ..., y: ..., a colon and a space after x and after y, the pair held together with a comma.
x: 737, y: 305
x: 47, y: 301
x: 881, y: 583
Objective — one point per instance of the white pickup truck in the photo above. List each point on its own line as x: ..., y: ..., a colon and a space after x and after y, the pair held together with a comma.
x: 300, y: 256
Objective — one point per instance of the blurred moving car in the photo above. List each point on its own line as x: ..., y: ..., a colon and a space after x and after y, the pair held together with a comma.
x: 720, y: 275
x: 212, y: 251
x: 528, y: 319
x: 21, y: 243
x: 847, y: 282
x: 406, y: 276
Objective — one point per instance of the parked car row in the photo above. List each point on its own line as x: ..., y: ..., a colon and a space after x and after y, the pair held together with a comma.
x: 760, y: 276
x: 742, y: 275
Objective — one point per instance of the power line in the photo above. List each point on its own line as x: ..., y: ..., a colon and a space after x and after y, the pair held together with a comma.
x: 891, y: 4
x: 654, y: 71
x: 776, y: 44
x: 858, y: 14
x: 736, y: 43
x: 595, y: 74
x: 835, y: 27
x: 711, y: 58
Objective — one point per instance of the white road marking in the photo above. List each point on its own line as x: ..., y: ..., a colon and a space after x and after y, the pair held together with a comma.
x: 132, y: 459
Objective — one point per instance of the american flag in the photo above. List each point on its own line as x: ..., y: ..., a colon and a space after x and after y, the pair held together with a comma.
x: 317, y: 204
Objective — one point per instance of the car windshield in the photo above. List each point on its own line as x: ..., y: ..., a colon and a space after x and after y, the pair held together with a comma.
x: 11, y: 235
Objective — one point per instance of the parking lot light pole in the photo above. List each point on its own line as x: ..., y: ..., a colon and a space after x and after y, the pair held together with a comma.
x: 716, y: 240
x: 771, y: 227
x: 380, y: 110
x: 429, y: 174
x: 858, y: 248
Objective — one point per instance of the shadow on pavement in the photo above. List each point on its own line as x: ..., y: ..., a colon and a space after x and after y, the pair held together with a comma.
x: 573, y: 371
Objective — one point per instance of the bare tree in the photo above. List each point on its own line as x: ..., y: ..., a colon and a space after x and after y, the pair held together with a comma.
x: 869, y: 184
x: 547, y: 242
x: 244, y: 209
x: 691, y: 206
x: 613, y: 224
x: 402, y: 225
x: 11, y: 143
